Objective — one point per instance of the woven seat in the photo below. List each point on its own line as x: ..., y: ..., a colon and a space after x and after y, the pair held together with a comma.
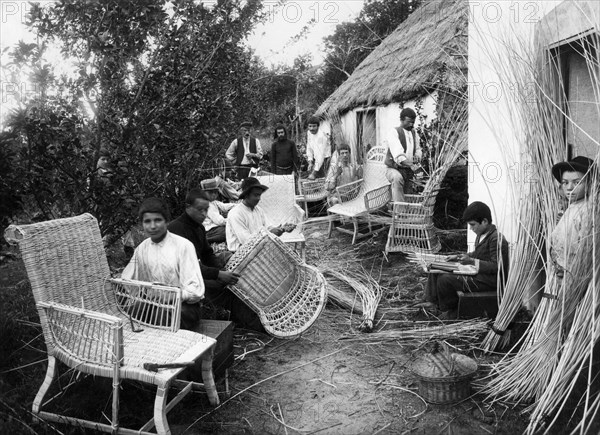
x: 105, y: 327
x: 286, y: 293
x: 358, y: 199
x: 279, y: 204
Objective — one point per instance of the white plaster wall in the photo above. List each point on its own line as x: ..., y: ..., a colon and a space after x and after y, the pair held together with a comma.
x: 495, y: 165
x: 387, y: 117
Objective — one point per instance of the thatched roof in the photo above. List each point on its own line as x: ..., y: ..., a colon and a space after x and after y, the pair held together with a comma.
x: 426, y: 51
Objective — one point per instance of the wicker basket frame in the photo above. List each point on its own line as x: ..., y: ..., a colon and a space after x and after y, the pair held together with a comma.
x: 286, y: 293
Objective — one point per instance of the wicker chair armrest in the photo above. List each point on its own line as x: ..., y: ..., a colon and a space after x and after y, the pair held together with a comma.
x: 413, y: 198
x: 79, y: 336
x: 377, y: 198
x: 347, y: 192
x: 150, y: 304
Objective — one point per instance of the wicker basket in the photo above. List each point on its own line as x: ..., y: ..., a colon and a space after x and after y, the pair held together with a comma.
x: 444, y: 378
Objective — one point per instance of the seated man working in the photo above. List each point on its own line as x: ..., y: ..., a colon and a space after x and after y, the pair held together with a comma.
x: 168, y: 259
x: 247, y: 218
x: 215, y: 220
x: 490, y: 255
x: 189, y: 226
x: 404, y: 152
x: 341, y: 172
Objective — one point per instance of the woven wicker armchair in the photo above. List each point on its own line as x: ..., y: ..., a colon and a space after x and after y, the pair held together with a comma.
x: 286, y: 293
x: 106, y: 327
x: 279, y: 204
x: 364, y: 196
x: 412, y: 227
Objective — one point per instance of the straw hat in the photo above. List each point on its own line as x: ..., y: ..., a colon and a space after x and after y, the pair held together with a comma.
x: 250, y: 183
x: 209, y: 184
x: 579, y: 164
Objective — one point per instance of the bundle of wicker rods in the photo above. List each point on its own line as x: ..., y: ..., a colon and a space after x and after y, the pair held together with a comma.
x: 465, y: 330
x: 556, y: 350
x: 365, y: 286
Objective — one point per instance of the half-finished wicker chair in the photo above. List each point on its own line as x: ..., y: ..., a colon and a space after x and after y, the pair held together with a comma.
x: 363, y: 196
x: 279, y: 204
x: 106, y: 327
x: 287, y: 294
x: 412, y: 228
x: 311, y: 191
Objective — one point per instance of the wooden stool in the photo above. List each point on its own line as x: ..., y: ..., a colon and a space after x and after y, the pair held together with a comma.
x: 222, y: 331
x: 477, y: 304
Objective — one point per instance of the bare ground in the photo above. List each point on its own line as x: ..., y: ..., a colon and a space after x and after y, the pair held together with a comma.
x: 331, y: 380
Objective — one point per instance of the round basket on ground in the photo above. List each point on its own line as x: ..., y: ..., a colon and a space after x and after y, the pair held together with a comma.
x: 444, y: 378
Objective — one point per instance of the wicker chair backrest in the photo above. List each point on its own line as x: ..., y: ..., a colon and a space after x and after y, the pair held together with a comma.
x: 374, y: 170
x: 279, y: 201
x: 66, y: 262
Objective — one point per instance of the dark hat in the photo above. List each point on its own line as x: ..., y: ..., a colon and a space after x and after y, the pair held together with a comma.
x: 154, y: 205
x: 246, y: 124
x: 250, y: 183
x: 580, y: 164
x: 209, y: 184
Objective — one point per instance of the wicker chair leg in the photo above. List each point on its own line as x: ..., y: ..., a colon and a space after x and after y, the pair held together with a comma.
x: 355, y: 235
x: 207, y: 377
x: 39, y: 398
x: 160, y: 410
x: 330, y: 229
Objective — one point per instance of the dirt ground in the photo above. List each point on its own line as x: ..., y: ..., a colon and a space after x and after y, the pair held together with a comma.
x: 331, y: 380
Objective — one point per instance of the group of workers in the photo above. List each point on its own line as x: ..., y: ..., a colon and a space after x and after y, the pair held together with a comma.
x: 179, y: 252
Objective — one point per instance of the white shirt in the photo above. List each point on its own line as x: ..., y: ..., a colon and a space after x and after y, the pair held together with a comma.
x: 396, y: 149
x: 172, y: 261
x: 317, y: 148
x: 231, y: 153
x: 214, y: 218
x: 242, y: 223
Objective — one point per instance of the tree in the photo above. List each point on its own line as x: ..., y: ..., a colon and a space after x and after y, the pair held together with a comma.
x: 353, y: 41
x: 160, y: 85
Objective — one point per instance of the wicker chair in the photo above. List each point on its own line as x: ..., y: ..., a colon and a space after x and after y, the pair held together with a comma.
x: 364, y: 196
x: 311, y: 191
x: 412, y: 227
x: 279, y: 204
x: 286, y: 293
x: 106, y: 327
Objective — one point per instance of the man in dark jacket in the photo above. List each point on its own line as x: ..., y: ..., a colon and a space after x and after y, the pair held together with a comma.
x: 284, y: 154
x: 189, y: 225
x: 490, y: 256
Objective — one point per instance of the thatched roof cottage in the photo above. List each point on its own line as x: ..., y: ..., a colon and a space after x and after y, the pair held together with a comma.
x: 424, y: 56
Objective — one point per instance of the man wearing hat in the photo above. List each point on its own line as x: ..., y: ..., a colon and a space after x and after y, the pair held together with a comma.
x: 214, y: 224
x: 244, y: 152
x: 572, y: 236
x: 318, y: 150
x: 247, y: 218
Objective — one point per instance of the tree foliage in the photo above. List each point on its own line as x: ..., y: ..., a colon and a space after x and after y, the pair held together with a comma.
x: 353, y: 41
x: 162, y: 86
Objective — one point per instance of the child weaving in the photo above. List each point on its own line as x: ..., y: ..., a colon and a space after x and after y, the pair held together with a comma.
x: 490, y: 254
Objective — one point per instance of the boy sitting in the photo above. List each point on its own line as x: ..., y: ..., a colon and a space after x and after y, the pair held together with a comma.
x: 215, y: 222
x: 490, y: 254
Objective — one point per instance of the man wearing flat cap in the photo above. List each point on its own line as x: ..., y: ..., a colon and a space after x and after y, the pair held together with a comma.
x: 215, y: 220
x: 244, y: 152
x: 247, y: 218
